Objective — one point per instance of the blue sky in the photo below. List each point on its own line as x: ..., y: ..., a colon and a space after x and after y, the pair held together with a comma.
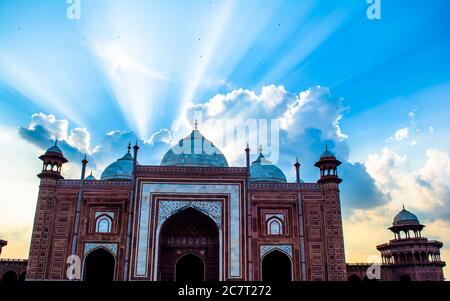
x: 238, y: 44
x: 134, y: 67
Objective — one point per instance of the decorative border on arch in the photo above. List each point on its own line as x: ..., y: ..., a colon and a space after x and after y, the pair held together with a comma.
x: 89, y: 246
x: 144, y: 217
x: 108, y: 213
x: 168, y: 208
x: 265, y: 249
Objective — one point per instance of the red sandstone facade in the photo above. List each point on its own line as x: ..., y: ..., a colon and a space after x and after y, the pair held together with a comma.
x: 305, y: 227
x: 152, y: 224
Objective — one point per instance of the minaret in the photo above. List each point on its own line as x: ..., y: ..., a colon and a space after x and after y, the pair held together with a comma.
x: 335, y: 268
x: 247, y: 156
x: 84, y: 163
x: 41, y: 243
x: 328, y: 168
x: 297, y: 171
x: 249, y: 215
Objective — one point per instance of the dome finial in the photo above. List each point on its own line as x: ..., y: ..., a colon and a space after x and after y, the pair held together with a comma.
x: 260, y: 150
x: 129, y: 147
x: 56, y: 142
x: 403, y: 205
x: 326, y: 147
x: 196, y: 124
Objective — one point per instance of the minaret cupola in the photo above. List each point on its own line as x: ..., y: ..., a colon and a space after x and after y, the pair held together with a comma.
x: 328, y: 167
x: 53, y: 159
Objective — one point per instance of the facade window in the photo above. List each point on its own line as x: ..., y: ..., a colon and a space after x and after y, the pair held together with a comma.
x: 275, y: 227
x: 103, y: 224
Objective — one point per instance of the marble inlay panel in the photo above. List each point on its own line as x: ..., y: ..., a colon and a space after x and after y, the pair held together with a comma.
x: 89, y: 246
x: 264, y: 249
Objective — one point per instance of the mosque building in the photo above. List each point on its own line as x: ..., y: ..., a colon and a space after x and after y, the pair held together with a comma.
x: 194, y: 217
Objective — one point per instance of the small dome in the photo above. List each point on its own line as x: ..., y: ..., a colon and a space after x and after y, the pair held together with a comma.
x: 327, y: 154
x: 405, y: 217
x: 262, y: 170
x: 90, y: 177
x: 122, y: 169
x: 54, y: 149
x: 194, y: 150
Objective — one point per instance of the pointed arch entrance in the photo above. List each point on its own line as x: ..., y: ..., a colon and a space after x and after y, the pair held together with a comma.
x: 188, y: 247
x: 276, y: 267
x: 99, y: 266
x: 190, y: 267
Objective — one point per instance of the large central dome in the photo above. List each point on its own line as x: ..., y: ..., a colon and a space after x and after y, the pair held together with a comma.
x: 194, y: 150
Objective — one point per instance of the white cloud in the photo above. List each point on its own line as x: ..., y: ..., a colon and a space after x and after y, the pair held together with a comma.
x: 401, y: 134
x: 426, y: 189
x: 434, y: 178
x: 246, y: 103
x: 271, y: 96
x: 431, y: 129
x: 79, y: 138
x: 384, y: 167
x: 291, y: 113
x: 314, y: 108
x: 58, y: 128
x: 162, y: 135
